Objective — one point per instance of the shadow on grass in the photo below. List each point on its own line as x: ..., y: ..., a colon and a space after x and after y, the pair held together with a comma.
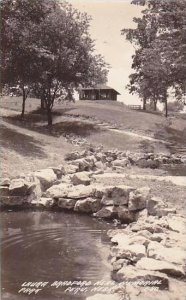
x: 176, y: 137
x: 37, y: 122
x: 21, y: 143
x: 72, y: 127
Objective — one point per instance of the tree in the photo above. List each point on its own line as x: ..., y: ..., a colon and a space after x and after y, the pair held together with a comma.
x: 19, y: 24
x: 46, y: 46
x: 68, y: 58
x: 160, y: 58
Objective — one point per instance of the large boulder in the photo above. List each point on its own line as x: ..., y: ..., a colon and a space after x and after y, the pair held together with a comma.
x: 88, y: 205
x: 121, y: 162
x: 70, y: 169
x: 177, y: 223
x: 5, y: 182
x: 168, y: 268
x: 66, y: 203
x: 80, y: 178
x: 13, y: 201
x: 132, y: 274
x: 58, y: 190
x: 4, y: 191
x: 133, y: 252
x: 173, y: 255
x: 43, y: 202
x: 120, y: 194
x: 80, y: 192
x: 20, y: 187
x: 116, y: 195
x: 107, y: 212
x: 157, y: 207
x: 46, y: 177
x: 125, y: 215
x: 138, y: 199
x: 85, y: 164
x: 147, y: 163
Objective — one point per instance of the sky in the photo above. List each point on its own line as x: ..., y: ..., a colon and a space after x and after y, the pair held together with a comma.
x: 108, y: 18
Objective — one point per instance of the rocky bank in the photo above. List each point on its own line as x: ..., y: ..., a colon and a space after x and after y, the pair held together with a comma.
x: 150, y: 249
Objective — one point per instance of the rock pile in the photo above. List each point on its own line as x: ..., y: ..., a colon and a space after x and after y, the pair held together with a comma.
x: 116, y: 159
x: 149, y: 250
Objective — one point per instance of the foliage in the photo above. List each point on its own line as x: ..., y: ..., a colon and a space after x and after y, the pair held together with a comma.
x: 160, y: 57
x: 46, y: 46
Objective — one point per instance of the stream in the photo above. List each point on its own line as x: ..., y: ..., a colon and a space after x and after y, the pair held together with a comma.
x: 43, y: 246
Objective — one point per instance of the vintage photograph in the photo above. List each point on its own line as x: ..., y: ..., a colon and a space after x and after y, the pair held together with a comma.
x: 93, y: 149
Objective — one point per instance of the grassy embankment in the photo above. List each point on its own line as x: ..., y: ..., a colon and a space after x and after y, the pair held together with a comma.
x: 29, y: 145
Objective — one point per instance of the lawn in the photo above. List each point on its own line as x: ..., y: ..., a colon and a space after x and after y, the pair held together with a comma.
x: 29, y: 144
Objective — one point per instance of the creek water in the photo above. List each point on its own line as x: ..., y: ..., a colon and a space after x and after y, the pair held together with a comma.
x: 43, y: 246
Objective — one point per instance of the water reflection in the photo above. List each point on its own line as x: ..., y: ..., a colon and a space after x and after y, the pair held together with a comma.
x: 50, y: 246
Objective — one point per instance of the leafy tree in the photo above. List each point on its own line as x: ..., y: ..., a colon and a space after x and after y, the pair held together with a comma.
x: 160, y: 58
x: 53, y: 52
x: 19, y: 24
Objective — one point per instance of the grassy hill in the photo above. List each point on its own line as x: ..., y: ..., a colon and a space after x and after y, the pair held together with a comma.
x: 29, y: 144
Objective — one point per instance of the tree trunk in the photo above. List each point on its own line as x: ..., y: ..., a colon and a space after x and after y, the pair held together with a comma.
x: 155, y: 105
x: 23, y: 103
x: 166, y: 106
x: 42, y: 104
x: 144, y: 103
x: 49, y: 116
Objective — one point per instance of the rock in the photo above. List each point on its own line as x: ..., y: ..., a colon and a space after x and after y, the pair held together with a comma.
x: 152, y: 203
x: 72, y: 156
x: 157, y: 207
x: 59, y: 171
x: 164, y: 211
x: 120, y: 194
x: 177, y: 223
x: 158, y: 237
x: 107, y: 201
x: 58, y: 191
x: 66, y: 203
x: 4, y: 191
x: 133, y: 274
x: 71, y: 169
x: 147, y: 163
x: 120, y: 162
x: 125, y: 215
x: 118, y: 264
x: 80, y: 178
x: 84, y: 164
x: 138, y: 198
x: 46, y: 202
x: 13, y: 201
x: 5, y: 182
x: 132, y: 252
x: 107, y: 212
x: 173, y: 238
x: 153, y: 225
x: 87, y: 205
x: 46, y: 177
x: 99, y: 165
x: 159, y: 265
x: 80, y: 192
x: 19, y: 187
x: 100, y: 190
x: 172, y: 255
x: 142, y: 215
x: 123, y: 239
x: 144, y: 233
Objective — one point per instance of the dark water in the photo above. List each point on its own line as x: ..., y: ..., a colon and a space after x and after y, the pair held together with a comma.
x: 51, y: 246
